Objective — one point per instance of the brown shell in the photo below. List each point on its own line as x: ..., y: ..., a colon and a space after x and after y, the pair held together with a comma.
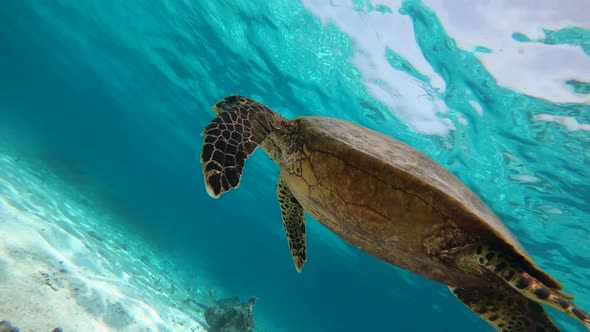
x: 385, y: 197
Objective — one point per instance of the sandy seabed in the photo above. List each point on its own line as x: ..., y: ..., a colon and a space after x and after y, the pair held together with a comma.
x: 68, y: 265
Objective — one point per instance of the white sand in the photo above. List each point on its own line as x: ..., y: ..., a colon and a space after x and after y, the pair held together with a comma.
x: 64, y: 264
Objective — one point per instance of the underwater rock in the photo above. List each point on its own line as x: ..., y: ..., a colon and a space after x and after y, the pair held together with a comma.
x: 230, y: 315
x: 5, y: 326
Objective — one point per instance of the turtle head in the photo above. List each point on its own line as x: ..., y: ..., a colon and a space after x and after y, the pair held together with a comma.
x: 240, y: 126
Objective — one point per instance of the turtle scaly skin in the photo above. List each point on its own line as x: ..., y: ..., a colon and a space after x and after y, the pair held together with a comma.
x: 390, y: 201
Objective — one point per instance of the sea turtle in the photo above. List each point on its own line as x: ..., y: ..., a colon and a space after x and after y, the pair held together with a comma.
x: 388, y: 200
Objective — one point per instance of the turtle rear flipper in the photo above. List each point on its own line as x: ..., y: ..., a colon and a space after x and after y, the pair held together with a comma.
x: 529, y: 286
x: 505, y: 309
x: 238, y: 129
x: 537, y: 291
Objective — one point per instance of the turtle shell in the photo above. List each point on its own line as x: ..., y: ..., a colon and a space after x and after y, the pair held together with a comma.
x: 387, y: 198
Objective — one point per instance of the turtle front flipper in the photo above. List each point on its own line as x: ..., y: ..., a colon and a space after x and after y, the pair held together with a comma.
x: 505, y: 309
x: 293, y: 223
x: 240, y: 127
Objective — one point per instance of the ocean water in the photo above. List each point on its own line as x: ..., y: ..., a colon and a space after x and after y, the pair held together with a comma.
x: 101, y: 108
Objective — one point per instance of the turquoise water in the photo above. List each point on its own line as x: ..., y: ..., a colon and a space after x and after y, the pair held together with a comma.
x: 113, y: 95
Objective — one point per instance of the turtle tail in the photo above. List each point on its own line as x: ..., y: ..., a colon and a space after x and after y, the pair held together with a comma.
x: 240, y: 126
